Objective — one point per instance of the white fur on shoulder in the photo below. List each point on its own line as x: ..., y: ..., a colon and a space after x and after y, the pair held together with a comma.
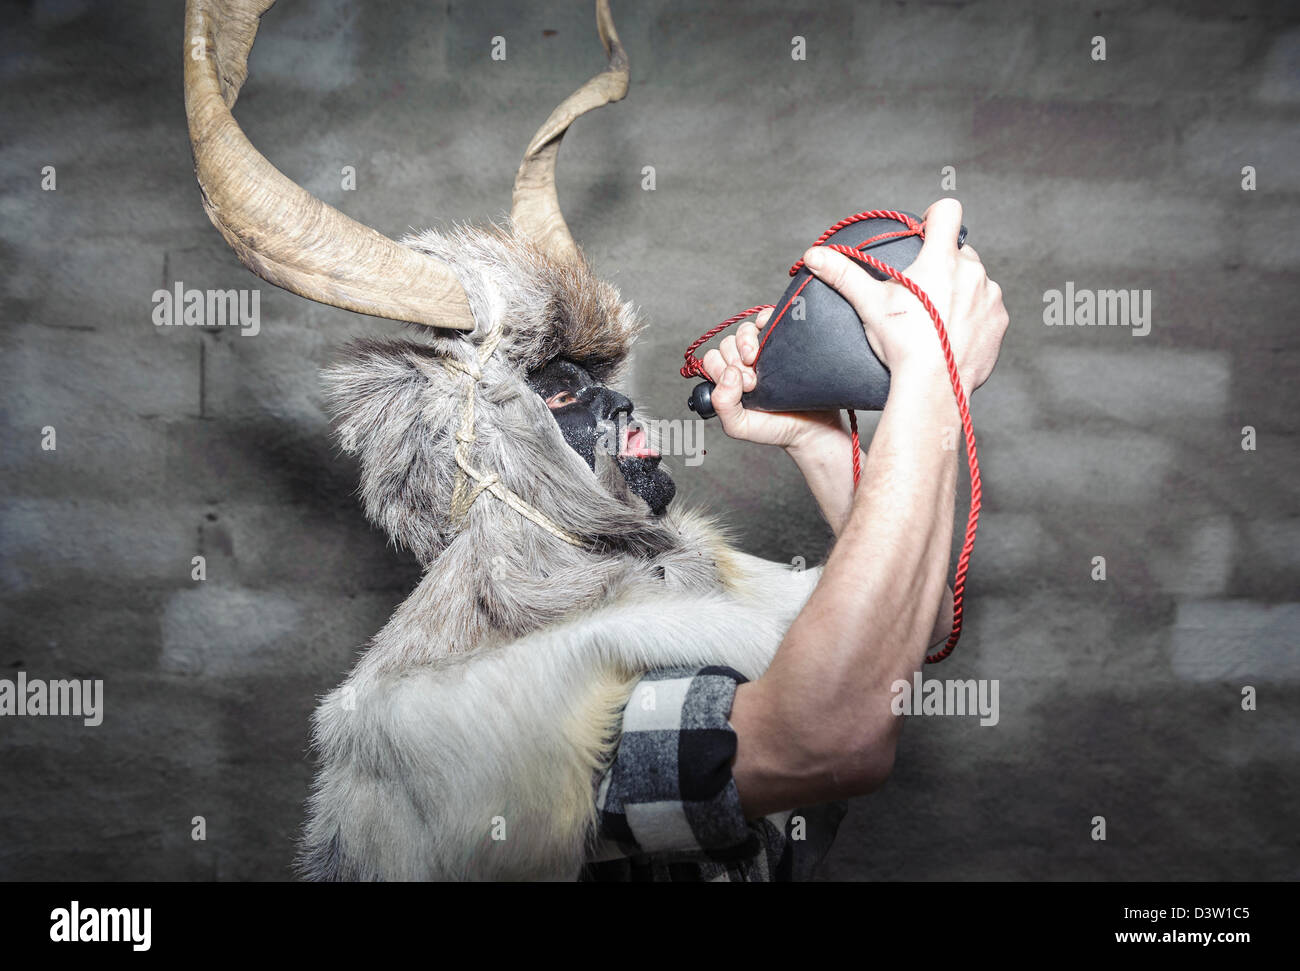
x: 481, y: 765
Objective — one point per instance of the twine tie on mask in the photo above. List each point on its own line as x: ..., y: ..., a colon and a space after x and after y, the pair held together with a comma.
x: 464, y: 494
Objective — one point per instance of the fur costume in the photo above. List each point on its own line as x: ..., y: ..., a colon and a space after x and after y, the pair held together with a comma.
x: 486, y: 706
x: 468, y: 738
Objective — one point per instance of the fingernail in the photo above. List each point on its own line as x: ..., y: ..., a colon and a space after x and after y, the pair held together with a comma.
x: 814, y: 259
x: 729, y: 376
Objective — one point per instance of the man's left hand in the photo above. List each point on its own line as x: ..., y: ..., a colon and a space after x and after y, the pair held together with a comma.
x: 731, y: 368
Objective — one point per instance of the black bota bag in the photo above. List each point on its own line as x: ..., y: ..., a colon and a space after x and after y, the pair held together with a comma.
x: 818, y: 358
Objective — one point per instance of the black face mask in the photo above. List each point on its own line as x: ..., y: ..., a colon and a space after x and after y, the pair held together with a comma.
x: 593, y: 417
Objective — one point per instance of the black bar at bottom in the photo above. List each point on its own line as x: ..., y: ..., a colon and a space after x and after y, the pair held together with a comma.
x: 212, y: 921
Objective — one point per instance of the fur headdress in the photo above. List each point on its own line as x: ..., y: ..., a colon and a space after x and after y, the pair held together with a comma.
x: 401, y: 407
x: 408, y: 407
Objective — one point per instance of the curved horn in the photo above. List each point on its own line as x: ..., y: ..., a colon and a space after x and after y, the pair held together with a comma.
x: 536, y: 207
x: 277, y: 229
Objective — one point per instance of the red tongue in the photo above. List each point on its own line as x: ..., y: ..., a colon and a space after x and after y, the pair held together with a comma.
x: 637, y: 447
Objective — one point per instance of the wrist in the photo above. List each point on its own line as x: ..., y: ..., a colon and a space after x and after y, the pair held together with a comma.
x: 815, y: 443
x: 924, y: 384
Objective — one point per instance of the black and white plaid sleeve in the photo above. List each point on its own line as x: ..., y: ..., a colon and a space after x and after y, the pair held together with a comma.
x: 669, y: 789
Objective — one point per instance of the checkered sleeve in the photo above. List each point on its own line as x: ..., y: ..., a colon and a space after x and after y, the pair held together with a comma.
x: 669, y: 788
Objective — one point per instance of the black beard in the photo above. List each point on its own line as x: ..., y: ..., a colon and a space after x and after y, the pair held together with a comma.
x: 644, y: 476
x: 648, y: 480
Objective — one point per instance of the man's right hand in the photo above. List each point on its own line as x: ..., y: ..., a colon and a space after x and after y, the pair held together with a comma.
x: 898, y: 327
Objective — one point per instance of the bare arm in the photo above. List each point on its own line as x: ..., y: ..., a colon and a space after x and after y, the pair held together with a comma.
x: 818, y: 442
x: 818, y: 725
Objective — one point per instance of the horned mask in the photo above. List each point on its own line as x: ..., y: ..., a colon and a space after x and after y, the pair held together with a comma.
x: 452, y: 440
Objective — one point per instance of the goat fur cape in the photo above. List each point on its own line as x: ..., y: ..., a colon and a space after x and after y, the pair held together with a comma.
x: 466, y: 742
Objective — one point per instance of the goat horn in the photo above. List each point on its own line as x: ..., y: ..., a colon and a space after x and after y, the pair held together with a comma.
x: 277, y: 229
x: 536, y: 207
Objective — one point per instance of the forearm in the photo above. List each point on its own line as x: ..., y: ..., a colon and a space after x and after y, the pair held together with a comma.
x: 820, y: 714
x: 825, y: 459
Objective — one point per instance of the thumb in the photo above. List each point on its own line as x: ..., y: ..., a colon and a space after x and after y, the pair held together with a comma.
x: 864, y: 292
x: 942, y: 226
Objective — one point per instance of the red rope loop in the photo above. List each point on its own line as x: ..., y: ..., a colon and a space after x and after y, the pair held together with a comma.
x: 695, y: 367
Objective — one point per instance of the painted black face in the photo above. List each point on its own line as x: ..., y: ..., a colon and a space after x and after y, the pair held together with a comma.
x: 592, y: 417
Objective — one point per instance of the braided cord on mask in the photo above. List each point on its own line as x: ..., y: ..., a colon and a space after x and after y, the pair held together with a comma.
x: 464, y: 495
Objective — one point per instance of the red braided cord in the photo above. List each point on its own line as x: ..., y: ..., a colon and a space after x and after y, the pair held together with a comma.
x: 857, y: 449
x: 968, y: 429
x: 914, y: 228
x: 694, y: 366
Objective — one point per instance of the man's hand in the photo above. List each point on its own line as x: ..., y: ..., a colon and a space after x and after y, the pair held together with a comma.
x: 817, y: 440
x: 900, y: 333
x: 731, y: 367
x: 898, y: 327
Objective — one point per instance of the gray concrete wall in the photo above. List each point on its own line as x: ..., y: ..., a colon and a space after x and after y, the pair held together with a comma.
x: 1119, y: 698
